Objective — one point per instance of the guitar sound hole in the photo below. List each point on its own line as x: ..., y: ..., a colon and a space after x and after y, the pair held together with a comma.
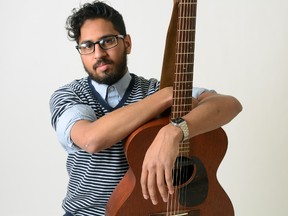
x: 183, y: 170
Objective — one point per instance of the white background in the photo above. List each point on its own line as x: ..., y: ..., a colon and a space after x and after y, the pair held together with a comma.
x: 242, y: 49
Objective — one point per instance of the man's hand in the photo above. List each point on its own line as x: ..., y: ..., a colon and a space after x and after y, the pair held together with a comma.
x: 158, y: 164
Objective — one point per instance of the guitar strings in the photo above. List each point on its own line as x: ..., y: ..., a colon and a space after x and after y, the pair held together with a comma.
x: 182, y: 88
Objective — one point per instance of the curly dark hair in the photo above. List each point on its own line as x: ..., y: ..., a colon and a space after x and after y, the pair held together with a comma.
x: 96, y: 9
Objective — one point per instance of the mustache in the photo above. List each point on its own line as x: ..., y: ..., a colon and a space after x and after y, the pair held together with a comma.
x: 100, y: 62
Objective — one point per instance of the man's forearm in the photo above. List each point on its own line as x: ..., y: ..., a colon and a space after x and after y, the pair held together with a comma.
x: 115, y: 126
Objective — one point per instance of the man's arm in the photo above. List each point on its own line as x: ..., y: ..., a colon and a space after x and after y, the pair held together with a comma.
x: 115, y: 126
x: 213, y: 111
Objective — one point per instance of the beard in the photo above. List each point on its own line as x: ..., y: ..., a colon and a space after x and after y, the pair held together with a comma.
x: 110, y: 77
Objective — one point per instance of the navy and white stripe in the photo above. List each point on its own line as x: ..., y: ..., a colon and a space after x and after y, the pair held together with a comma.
x: 93, y: 177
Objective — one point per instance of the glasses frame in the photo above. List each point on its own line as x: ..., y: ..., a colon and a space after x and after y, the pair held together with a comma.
x: 100, y: 42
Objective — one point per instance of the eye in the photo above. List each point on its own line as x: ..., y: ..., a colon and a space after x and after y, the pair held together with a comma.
x: 86, y: 45
x: 108, y: 41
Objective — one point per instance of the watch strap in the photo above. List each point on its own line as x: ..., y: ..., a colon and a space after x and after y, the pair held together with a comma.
x: 182, y: 124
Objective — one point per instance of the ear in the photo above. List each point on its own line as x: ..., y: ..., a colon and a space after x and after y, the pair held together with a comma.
x: 128, y: 43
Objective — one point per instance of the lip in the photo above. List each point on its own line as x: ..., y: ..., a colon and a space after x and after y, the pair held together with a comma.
x: 102, y: 67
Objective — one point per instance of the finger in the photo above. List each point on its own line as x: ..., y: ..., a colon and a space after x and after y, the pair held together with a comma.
x: 162, y: 186
x: 169, y: 181
x: 143, y: 182
x: 151, y: 185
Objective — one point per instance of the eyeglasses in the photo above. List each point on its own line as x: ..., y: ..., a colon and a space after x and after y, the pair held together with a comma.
x: 105, y: 43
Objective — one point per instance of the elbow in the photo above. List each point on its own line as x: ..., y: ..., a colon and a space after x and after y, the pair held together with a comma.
x: 231, y: 107
x: 93, y: 145
x: 237, y: 106
x: 84, y: 136
x: 90, y: 148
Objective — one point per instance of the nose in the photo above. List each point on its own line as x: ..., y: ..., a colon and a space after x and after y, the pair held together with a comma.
x: 99, y: 52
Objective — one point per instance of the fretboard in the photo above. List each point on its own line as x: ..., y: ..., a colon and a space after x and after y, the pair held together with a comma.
x: 184, y: 59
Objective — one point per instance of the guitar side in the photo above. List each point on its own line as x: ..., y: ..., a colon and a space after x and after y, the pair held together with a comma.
x: 209, y: 148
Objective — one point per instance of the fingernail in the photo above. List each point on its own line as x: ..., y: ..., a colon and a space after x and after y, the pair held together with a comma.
x: 154, y: 202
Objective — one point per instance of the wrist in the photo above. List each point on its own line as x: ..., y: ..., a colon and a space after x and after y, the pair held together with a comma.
x: 183, y: 126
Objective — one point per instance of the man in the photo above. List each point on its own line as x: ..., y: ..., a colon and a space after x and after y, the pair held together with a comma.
x: 94, y: 114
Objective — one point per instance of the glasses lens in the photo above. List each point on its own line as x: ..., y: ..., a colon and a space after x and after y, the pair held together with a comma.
x: 86, y: 48
x: 108, y: 43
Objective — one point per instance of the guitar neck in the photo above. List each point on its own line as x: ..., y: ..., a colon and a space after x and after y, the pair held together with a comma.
x: 184, y: 58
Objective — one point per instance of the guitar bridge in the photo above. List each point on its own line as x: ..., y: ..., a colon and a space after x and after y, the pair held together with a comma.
x: 181, y: 213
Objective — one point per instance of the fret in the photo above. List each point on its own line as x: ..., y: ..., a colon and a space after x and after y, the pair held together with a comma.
x: 185, y: 42
x: 183, y: 72
x: 188, y: 57
x: 189, y: 41
x: 181, y: 99
x: 182, y: 94
x: 184, y: 97
x: 183, y: 2
x: 181, y: 60
x: 183, y: 82
x: 183, y: 151
x: 182, y: 91
x: 185, y: 102
x: 183, y: 64
x: 186, y: 17
x: 188, y: 52
x: 184, y: 105
x: 177, y: 113
x: 184, y: 77
x: 184, y: 147
x: 188, y: 3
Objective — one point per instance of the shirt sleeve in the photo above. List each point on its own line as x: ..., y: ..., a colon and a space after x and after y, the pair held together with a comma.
x: 67, y: 120
x: 198, y: 91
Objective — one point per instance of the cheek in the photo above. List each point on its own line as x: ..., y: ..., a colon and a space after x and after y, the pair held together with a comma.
x: 118, y: 55
x: 87, y: 62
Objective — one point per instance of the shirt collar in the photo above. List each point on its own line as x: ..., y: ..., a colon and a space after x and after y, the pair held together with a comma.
x: 120, y: 86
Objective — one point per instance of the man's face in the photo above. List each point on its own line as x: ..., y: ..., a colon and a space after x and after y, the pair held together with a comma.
x: 104, y: 66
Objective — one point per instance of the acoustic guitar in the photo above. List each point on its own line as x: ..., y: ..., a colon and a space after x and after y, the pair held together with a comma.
x: 197, y: 190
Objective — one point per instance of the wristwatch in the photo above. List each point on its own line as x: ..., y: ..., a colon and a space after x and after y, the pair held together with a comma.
x: 182, y: 124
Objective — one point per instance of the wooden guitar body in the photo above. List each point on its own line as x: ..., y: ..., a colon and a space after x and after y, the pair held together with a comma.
x: 200, y: 195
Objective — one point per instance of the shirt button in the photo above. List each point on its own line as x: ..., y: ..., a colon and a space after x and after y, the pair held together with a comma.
x: 111, y: 88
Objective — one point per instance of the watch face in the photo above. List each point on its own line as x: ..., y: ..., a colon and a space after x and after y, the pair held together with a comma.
x: 178, y: 120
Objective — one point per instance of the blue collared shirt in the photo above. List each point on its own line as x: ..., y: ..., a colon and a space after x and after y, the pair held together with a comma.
x: 117, y: 90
